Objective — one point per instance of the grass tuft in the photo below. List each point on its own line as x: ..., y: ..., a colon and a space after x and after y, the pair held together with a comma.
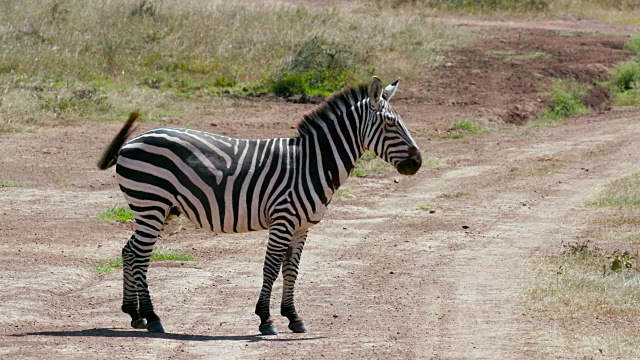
x: 463, y: 128
x: 624, y: 192
x: 368, y: 164
x: 343, y: 193
x: 160, y: 253
x: 10, y: 183
x: 117, y: 213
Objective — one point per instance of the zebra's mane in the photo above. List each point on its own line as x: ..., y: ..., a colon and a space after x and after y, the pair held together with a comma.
x: 331, y: 109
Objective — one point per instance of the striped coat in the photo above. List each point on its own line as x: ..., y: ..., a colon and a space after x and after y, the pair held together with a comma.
x: 226, y: 185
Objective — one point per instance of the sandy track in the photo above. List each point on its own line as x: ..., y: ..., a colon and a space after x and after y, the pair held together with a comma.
x: 380, y: 278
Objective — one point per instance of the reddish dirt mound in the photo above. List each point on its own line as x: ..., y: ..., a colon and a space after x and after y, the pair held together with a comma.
x: 505, y: 76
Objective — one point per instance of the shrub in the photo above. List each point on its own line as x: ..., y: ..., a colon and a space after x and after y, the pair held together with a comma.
x: 634, y: 44
x: 319, y: 67
x: 565, y: 99
x: 625, y: 76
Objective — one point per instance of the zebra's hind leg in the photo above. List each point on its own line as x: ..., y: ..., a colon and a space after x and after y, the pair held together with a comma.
x: 289, y: 276
x: 136, y: 298
x: 279, y: 238
x: 129, y: 290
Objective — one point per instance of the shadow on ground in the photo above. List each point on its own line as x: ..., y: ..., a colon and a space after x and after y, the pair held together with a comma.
x: 113, y: 333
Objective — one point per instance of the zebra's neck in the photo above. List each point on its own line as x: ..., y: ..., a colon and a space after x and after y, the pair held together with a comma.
x: 331, y: 141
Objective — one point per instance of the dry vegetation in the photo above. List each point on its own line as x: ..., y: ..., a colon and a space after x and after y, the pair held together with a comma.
x: 590, y: 292
x: 98, y: 60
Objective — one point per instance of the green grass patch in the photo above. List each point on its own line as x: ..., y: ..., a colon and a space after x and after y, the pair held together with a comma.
x: 368, y: 164
x: 10, y: 183
x: 429, y: 160
x: 509, y: 55
x: 160, y: 253
x: 108, y: 266
x: 117, y: 213
x: 343, y: 193
x: 565, y: 99
x: 463, y: 128
x: 529, y: 56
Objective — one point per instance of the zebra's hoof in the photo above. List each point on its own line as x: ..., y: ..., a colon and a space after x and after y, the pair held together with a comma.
x: 141, y: 323
x: 298, y: 327
x: 268, y: 329
x: 155, y: 327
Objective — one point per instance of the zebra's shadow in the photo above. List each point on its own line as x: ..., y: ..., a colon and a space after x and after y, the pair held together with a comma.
x: 119, y: 333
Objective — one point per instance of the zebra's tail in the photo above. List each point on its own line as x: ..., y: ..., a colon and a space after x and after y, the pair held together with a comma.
x: 110, y: 155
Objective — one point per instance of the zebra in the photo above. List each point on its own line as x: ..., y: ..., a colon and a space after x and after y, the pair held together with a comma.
x: 231, y: 185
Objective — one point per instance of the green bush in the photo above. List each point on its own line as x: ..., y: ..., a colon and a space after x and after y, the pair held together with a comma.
x: 634, y: 44
x: 565, y: 99
x: 319, y: 67
x: 625, y: 76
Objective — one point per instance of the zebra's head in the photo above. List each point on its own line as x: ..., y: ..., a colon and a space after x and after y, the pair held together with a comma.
x: 385, y: 132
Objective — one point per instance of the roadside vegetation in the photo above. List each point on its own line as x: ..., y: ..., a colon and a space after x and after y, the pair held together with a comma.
x: 590, y: 291
x: 625, y: 84
x: 160, y: 253
x: 565, y: 99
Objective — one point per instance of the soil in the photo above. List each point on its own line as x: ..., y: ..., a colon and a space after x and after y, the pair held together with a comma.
x: 432, y: 266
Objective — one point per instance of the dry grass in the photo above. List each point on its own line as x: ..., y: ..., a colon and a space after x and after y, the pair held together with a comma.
x: 590, y: 292
x: 71, y: 58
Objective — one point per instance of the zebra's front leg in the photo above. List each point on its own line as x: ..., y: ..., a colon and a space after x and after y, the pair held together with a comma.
x: 279, y: 238
x: 289, y: 275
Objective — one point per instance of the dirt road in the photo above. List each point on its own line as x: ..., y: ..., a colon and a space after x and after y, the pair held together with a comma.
x: 382, y: 277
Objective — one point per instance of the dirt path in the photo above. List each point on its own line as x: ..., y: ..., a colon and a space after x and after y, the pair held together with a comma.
x: 382, y: 277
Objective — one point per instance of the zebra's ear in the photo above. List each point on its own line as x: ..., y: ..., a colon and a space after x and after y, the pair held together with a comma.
x: 375, y: 92
x: 390, y: 90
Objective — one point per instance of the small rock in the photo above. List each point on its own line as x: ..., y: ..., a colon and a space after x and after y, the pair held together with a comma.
x: 335, y: 315
x: 432, y: 211
x: 465, y: 226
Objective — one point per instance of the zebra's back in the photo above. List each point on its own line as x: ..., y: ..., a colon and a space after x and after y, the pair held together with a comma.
x: 220, y: 183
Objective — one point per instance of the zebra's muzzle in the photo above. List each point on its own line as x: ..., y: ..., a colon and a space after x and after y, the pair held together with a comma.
x: 410, y: 165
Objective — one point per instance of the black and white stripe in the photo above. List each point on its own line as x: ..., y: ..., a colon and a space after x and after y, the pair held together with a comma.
x: 229, y: 185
